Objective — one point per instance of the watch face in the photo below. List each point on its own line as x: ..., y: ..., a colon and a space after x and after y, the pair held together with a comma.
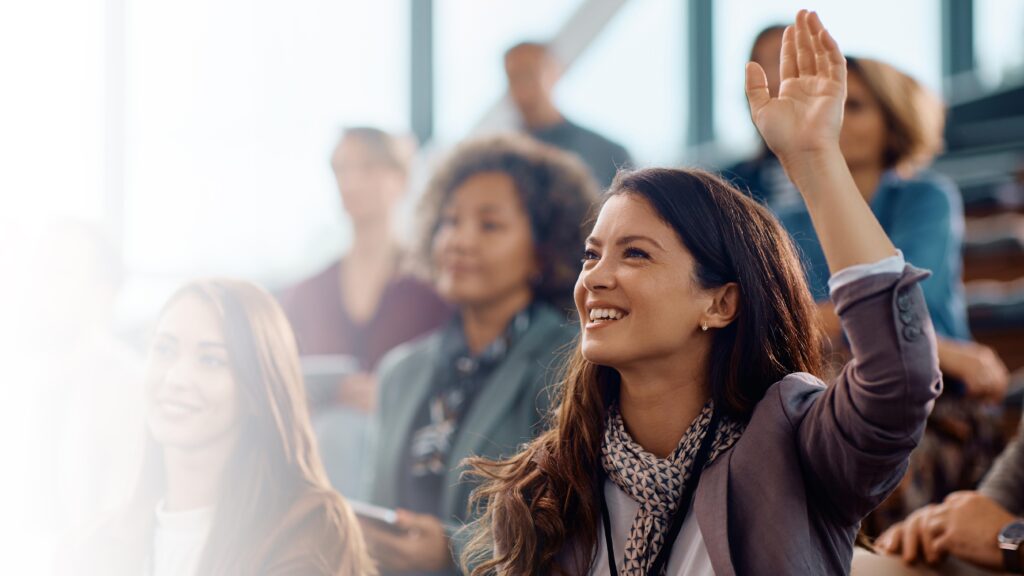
x: 1013, y: 533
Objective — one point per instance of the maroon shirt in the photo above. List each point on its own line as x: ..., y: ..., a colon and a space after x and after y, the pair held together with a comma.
x: 407, y: 309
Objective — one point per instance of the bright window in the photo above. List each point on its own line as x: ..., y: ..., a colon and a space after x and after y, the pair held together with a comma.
x: 233, y: 108
x: 999, y: 41
x: 629, y: 85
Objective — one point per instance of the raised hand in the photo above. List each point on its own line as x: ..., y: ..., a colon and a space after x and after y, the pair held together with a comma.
x: 808, y: 113
x: 802, y: 127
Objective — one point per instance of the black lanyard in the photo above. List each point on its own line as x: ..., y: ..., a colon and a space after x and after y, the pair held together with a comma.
x: 701, y: 460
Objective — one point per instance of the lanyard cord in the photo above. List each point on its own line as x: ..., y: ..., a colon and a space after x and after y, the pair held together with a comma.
x: 685, y: 499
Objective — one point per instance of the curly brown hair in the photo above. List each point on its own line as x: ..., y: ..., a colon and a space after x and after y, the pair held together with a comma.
x: 557, y: 192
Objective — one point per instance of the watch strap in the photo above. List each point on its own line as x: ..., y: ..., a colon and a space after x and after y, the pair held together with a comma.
x: 1010, y: 540
x: 1011, y: 558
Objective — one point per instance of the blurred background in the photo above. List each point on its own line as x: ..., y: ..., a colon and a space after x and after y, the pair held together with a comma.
x: 145, y: 143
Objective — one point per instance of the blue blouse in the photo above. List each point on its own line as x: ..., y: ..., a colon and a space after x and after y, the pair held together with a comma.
x: 924, y: 218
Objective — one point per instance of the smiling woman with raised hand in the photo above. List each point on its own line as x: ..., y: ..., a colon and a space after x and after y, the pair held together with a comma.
x: 692, y: 435
x: 232, y: 483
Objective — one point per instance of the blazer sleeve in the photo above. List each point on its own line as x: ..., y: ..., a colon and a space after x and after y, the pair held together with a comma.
x: 855, y: 437
x: 1005, y: 482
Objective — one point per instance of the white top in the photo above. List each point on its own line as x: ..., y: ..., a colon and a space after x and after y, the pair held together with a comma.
x: 689, y: 554
x: 178, y: 541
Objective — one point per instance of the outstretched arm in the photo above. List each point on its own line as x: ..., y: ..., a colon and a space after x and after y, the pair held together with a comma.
x: 801, y: 126
x: 854, y: 436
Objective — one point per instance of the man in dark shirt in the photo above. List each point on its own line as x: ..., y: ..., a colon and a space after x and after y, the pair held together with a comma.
x: 532, y: 73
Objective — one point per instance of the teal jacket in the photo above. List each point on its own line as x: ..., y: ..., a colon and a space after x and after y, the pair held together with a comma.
x: 507, y: 412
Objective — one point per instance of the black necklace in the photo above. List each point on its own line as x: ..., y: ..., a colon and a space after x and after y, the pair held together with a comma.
x: 685, y: 499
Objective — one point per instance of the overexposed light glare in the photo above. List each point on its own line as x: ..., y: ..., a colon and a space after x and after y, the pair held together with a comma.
x: 630, y: 83
x: 233, y: 109
x: 999, y: 41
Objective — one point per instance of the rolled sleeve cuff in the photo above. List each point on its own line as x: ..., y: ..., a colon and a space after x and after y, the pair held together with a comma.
x: 850, y: 274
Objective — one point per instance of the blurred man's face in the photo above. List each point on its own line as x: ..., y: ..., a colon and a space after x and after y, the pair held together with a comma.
x: 767, y: 53
x: 531, y: 77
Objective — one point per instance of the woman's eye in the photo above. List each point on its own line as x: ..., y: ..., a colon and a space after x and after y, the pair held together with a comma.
x: 162, y: 349
x: 212, y: 361
x: 636, y: 253
x: 490, y: 226
x: 589, y: 255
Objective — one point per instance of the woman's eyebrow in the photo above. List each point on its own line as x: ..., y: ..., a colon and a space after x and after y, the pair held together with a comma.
x: 639, y: 238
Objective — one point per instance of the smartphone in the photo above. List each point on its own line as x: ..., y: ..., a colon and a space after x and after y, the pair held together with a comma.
x: 383, y: 517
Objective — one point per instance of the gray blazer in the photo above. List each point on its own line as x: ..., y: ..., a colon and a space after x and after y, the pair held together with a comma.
x: 789, y: 496
x: 506, y: 413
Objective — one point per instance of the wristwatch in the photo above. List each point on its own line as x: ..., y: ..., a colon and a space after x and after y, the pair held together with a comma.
x: 1010, y: 539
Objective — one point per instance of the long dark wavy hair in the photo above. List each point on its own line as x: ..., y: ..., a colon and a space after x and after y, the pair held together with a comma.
x: 538, y: 511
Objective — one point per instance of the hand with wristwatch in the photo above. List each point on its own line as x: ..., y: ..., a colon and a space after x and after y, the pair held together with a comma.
x: 968, y: 526
x: 1010, y: 539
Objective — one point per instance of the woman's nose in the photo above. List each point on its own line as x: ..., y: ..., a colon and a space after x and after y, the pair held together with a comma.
x: 599, y: 276
x: 463, y: 236
x: 178, y: 375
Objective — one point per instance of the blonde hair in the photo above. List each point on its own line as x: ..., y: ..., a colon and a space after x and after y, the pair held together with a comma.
x: 915, y: 117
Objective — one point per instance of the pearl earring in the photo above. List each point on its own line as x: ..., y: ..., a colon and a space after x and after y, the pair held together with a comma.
x: 704, y: 326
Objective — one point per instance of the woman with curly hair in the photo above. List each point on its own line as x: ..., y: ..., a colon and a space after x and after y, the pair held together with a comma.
x: 692, y: 436
x: 502, y: 225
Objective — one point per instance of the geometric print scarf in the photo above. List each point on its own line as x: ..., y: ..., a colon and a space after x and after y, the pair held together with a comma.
x: 656, y: 484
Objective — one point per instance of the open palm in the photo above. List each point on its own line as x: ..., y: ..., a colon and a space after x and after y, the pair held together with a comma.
x: 808, y: 112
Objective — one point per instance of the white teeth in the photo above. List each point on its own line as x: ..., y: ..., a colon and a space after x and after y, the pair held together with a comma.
x: 606, y: 313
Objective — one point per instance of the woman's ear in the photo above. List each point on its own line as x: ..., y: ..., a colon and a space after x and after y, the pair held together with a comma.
x: 724, y: 307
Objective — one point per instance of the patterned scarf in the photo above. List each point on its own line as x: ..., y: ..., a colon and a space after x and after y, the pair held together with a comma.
x: 654, y: 483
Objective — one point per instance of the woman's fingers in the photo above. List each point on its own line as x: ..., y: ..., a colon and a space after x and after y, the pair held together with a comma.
x: 788, y: 67
x: 821, y: 60
x: 757, y: 89
x: 828, y: 58
x: 805, y: 59
x: 837, y: 63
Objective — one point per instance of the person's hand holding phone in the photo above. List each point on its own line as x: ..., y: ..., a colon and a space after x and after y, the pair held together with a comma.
x: 359, y: 391
x: 413, y: 542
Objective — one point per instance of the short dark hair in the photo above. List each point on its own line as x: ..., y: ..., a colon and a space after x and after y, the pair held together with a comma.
x: 529, y: 44
x: 557, y: 192
x: 764, y: 34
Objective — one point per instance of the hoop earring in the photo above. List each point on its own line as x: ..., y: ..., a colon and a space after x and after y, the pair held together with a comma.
x: 704, y: 326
